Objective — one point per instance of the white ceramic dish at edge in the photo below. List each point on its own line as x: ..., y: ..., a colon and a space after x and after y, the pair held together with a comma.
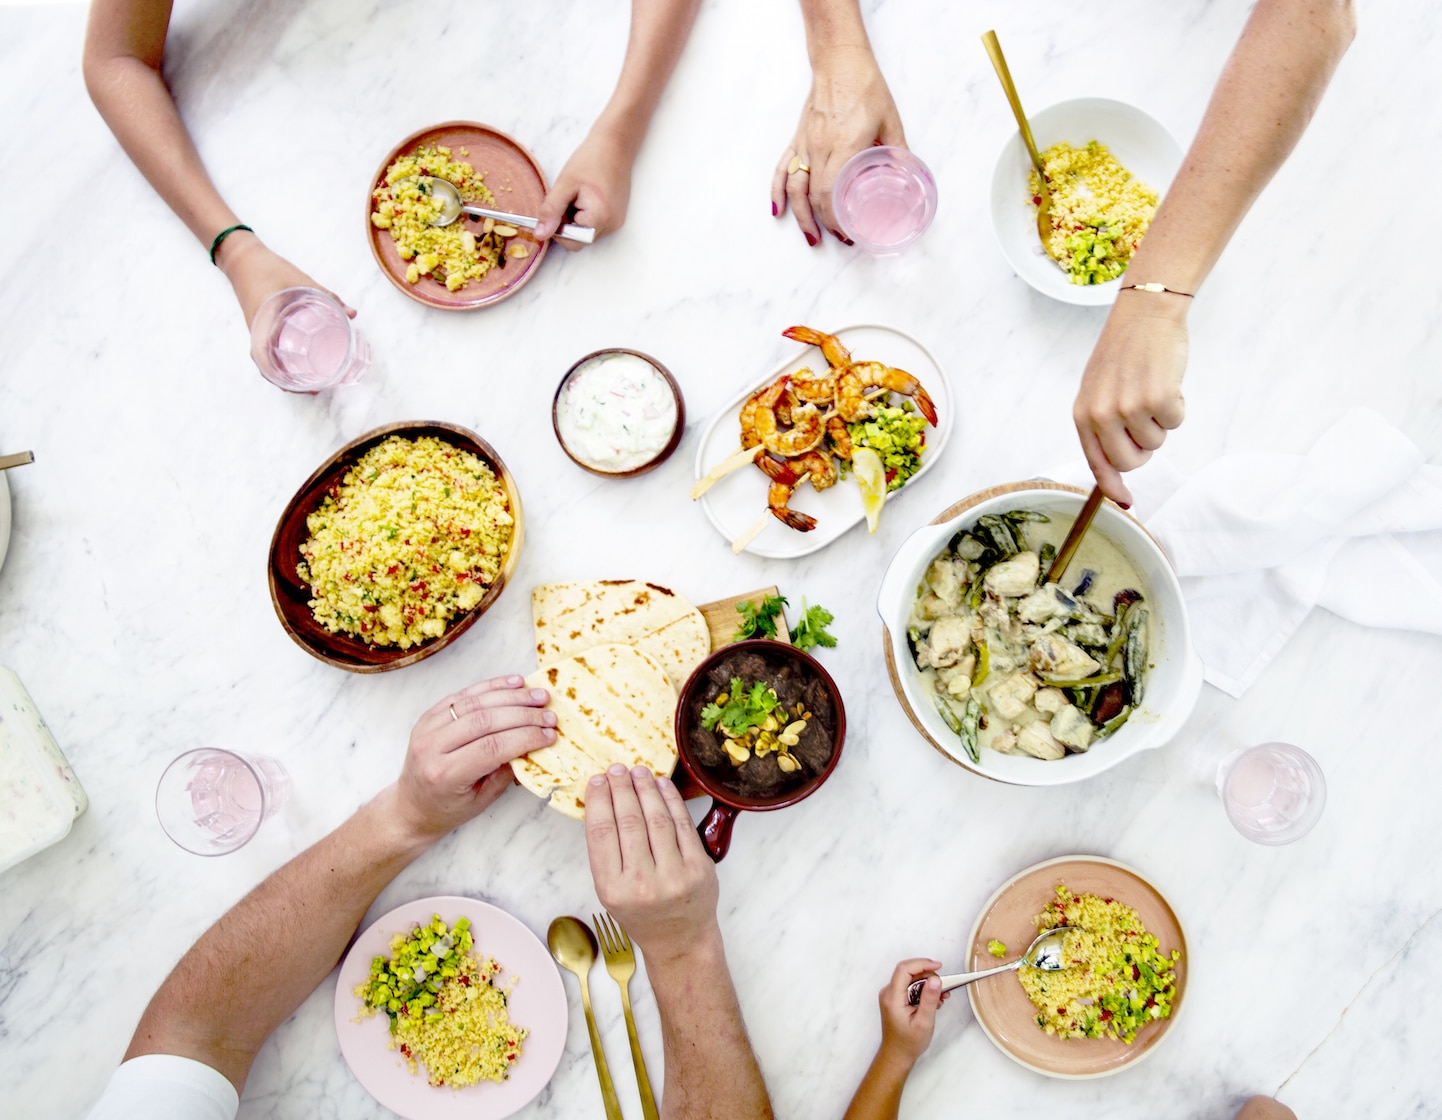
x: 734, y: 503
x: 4, y: 518
x: 1172, y: 685
x: 1140, y: 144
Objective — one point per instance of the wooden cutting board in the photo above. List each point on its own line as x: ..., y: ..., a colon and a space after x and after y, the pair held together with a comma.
x: 723, y: 620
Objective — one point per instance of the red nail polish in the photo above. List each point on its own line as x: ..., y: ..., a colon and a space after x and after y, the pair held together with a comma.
x: 810, y: 240
x: 1125, y: 505
x: 774, y: 211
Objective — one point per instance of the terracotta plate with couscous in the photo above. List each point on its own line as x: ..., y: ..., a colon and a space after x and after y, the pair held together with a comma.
x: 1131, y: 932
x: 473, y: 262
x: 395, y: 546
x: 501, y: 1032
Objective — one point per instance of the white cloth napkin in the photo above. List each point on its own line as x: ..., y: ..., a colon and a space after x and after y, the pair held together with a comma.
x: 1259, y: 539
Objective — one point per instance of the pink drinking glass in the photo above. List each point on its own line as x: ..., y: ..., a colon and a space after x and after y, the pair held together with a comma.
x: 1273, y: 793
x: 212, y: 802
x: 884, y: 198
x: 303, y: 341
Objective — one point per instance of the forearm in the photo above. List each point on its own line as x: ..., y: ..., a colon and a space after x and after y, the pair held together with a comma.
x: 659, y: 29
x: 1262, y: 103
x: 123, y: 49
x: 878, y: 1097
x: 832, y: 25
x: 256, y: 965
x: 711, y: 1070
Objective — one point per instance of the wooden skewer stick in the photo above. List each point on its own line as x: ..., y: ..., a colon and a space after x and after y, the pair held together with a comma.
x: 740, y: 543
x: 731, y: 463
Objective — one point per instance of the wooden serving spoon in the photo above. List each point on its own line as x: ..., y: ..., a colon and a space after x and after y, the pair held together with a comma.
x: 1043, y: 210
x: 1073, y: 538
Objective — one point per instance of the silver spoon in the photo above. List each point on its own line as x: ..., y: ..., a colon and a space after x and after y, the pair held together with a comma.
x: 1043, y: 953
x: 452, y: 208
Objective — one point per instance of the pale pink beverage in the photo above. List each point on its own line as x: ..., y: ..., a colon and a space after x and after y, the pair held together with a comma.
x: 212, y: 801
x: 303, y: 341
x: 885, y: 198
x: 1273, y: 793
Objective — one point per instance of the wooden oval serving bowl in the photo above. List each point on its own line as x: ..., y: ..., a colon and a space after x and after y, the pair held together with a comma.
x: 291, y: 596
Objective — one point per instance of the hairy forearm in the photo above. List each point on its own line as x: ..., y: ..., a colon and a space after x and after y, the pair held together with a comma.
x: 256, y: 965
x: 878, y: 1097
x: 659, y: 29
x: 1262, y: 103
x: 711, y: 1070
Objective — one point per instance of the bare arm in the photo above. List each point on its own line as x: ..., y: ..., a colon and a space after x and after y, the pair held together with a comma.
x: 1130, y: 392
x: 656, y: 879
x: 255, y: 966
x: 905, y: 1034
x: 850, y: 108
x: 124, y: 45
x: 597, y: 178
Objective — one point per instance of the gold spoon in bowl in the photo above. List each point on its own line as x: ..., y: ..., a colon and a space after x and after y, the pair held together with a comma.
x: 574, y: 947
x: 1043, y: 210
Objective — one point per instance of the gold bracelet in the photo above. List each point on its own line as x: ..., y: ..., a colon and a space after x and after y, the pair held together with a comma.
x: 1156, y: 288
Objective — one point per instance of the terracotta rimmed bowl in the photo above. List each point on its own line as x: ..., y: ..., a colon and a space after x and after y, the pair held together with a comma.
x: 715, y: 827
x: 1001, y: 1005
x: 650, y: 464
x: 514, y: 177
x: 291, y: 597
x: 1174, y: 680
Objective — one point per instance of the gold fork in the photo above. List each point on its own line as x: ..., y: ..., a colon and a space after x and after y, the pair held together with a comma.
x: 621, y: 964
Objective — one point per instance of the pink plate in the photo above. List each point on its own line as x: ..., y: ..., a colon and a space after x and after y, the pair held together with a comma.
x: 514, y: 177
x: 1001, y: 1005
x: 538, y: 1003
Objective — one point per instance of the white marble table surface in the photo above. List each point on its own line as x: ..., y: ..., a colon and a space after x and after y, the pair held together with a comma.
x: 133, y: 601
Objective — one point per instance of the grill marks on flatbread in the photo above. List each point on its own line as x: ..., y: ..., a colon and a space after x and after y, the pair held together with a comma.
x: 613, y: 703
x: 572, y: 617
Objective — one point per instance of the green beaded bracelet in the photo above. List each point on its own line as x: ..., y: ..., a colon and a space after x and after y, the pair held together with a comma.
x: 222, y: 235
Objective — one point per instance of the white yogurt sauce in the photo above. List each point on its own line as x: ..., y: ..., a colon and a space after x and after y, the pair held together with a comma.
x: 616, y: 412
x: 39, y: 795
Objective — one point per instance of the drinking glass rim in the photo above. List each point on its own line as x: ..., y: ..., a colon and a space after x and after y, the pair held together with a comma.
x: 902, y: 155
x: 350, y: 341
x: 254, y: 773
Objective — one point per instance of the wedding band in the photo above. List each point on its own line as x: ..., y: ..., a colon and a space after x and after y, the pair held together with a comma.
x: 797, y: 165
x: 453, y: 712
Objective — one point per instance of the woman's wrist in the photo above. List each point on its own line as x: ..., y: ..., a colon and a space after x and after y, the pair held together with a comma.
x: 237, y: 247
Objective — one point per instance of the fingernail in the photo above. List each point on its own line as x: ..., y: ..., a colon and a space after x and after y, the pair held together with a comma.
x: 641, y: 772
x: 774, y: 210
x: 616, y: 770
x: 841, y: 237
x: 932, y: 983
x: 515, y: 680
x: 598, y: 779
x: 665, y: 783
x: 1125, y: 505
x: 548, y: 734
x: 538, y: 694
x: 810, y: 240
x: 548, y: 719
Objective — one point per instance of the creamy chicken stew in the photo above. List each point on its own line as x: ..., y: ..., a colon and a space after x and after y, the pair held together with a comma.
x: 1025, y: 667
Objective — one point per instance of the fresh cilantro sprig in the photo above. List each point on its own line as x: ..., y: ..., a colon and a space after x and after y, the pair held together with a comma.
x: 745, y: 707
x: 759, y: 622
x: 810, y: 632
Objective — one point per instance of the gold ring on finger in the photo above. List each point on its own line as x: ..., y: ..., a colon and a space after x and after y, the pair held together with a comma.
x: 796, y: 165
x: 453, y: 712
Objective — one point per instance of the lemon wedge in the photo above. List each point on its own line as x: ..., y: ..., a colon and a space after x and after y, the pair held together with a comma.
x: 871, y: 477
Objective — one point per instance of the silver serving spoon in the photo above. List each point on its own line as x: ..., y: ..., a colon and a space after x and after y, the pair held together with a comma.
x: 1043, y: 953
x: 452, y: 208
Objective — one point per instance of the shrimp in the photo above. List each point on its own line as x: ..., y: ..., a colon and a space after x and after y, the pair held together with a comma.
x: 851, y: 400
x: 783, y: 481
x: 805, y: 433
x: 749, y: 438
x: 837, y: 356
x: 897, y: 381
x: 839, y: 437
x: 812, y: 389
x: 819, y: 465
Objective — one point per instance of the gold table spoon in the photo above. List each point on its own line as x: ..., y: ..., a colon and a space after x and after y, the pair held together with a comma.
x: 1043, y: 210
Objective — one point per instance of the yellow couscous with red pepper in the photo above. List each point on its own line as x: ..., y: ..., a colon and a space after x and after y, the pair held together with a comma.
x: 1099, y: 211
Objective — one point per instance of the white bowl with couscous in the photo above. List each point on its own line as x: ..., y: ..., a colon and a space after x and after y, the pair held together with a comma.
x: 1138, y: 142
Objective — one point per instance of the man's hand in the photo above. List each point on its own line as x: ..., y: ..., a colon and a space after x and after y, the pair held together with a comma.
x: 1131, y: 390
x: 905, y: 1030
x: 455, y: 767
x: 593, y: 189
x: 849, y: 109
x: 256, y: 273
x: 650, y: 868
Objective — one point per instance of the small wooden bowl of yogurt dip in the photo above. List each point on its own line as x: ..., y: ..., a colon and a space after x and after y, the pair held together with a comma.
x: 618, y: 413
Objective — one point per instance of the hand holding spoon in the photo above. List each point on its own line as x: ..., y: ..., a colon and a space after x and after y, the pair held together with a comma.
x: 1043, y: 953
x: 1043, y: 210
x: 574, y: 947
x: 445, y: 192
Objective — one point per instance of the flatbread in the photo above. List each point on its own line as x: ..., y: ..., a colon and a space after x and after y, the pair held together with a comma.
x: 572, y: 617
x: 613, y: 704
